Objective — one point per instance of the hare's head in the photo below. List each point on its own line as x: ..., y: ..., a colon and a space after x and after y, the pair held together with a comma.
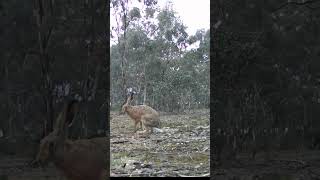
x: 129, y: 99
x: 56, y: 138
x: 46, y: 148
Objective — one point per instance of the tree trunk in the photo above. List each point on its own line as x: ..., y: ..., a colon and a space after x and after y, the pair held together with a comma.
x: 123, y: 52
x: 305, y: 113
x: 145, y: 84
x: 6, y: 70
x: 43, y: 40
x: 145, y: 93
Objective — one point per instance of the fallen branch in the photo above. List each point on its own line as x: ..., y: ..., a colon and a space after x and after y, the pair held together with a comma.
x: 295, y: 3
x: 293, y: 161
x: 119, y: 141
x: 315, y: 175
x: 203, y: 175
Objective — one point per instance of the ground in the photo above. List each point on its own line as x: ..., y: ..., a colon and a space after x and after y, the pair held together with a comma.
x: 284, y: 165
x: 181, y: 149
x: 17, y: 168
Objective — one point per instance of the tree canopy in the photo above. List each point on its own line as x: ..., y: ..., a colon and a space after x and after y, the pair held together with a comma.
x: 155, y: 55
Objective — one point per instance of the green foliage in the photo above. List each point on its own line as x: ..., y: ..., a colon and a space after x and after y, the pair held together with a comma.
x: 134, y: 13
x: 159, y: 67
x: 150, y: 12
x: 150, y: 2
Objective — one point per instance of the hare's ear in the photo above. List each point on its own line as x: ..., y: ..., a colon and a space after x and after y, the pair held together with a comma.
x: 129, y: 99
x: 131, y: 96
x: 66, y: 117
x: 130, y: 93
x: 71, y: 111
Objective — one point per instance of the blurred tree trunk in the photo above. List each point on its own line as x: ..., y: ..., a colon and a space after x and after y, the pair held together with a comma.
x: 44, y: 34
x: 122, y: 43
x: 145, y: 84
x: 6, y: 83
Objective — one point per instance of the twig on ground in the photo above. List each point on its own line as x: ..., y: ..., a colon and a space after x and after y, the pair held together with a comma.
x: 203, y: 175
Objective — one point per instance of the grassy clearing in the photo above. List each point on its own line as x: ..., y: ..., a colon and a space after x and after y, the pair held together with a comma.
x: 183, y: 147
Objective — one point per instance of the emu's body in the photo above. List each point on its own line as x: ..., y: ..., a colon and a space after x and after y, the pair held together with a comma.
x: 80, y: 159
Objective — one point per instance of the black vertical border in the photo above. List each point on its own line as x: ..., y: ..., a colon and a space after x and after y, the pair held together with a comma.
x: 107, y: 59
x: 211, y: 89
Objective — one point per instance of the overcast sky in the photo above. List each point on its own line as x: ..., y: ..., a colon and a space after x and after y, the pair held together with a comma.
x: 194, y: 14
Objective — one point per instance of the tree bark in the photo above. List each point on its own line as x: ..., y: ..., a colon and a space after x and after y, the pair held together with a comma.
x: 43, y: 40
x: 145, y: 85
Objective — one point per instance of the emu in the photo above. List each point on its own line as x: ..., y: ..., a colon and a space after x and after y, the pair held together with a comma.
x: 81, y: 159
x: 142, y: 114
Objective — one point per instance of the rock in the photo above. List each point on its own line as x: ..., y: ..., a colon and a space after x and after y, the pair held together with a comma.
x: 157, y: 130
x: 132, y: 165
x: 146, y: 166
x: 205, y: 149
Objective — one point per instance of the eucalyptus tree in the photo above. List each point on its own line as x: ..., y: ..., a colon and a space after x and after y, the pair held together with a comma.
x: 167, y: 74
x: 124, y: 16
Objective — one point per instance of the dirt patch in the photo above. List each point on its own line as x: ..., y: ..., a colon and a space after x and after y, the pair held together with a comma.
x: 182, y: 147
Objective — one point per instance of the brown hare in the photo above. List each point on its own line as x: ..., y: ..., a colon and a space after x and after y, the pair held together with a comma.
x: 84, y: 159
x: 146, y: 116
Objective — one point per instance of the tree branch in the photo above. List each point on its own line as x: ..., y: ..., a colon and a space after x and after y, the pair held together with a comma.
x: 296, y: 4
